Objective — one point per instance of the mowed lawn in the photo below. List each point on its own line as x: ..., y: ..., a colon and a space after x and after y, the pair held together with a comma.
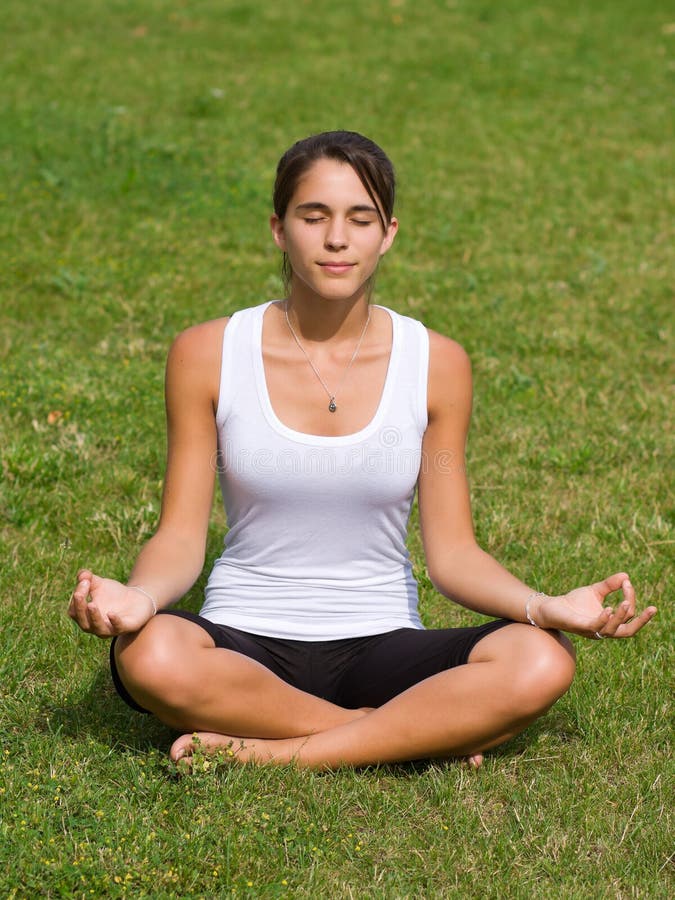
x: 533, y: 144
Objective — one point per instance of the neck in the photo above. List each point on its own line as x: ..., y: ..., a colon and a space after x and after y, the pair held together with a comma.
x: 318, y: 319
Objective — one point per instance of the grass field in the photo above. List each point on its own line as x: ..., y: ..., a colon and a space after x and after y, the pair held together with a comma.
x: 533, y: 145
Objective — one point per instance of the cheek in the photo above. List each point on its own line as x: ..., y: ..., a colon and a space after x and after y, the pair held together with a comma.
x: 295, y: 242
x: 292, y: 250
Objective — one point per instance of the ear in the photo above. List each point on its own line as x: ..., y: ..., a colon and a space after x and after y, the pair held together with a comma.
x: 389, y: 236
x: 277, y: 226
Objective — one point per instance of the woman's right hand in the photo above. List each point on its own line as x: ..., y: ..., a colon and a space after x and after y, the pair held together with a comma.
x: 105, y: 607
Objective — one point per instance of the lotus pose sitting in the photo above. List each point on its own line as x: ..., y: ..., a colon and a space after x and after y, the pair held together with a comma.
x: 323, y: 415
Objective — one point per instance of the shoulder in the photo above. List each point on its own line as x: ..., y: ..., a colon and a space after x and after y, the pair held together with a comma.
x: 197, y: 340
x: 449, y: 384
x: 447, y: 355
x: 194, y: 358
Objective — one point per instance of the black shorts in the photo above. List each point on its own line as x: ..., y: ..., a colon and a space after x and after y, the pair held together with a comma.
x: 352, y: 672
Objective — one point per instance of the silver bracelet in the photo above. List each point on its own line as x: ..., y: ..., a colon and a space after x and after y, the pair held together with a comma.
x: 137, y: 587
x: 529, y: 600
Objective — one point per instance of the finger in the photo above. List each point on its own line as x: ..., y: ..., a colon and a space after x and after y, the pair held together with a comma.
x: 99, y: 621
x: 80, y: 608
x: 81, y: 588
x: 629, y: 595
x: 619, y: 617
x: 116, y: 623
x: 632, y: 627
x: 613, y: 583
x: 96, y: 581
x: 597, y: 625
x: 125, y: 624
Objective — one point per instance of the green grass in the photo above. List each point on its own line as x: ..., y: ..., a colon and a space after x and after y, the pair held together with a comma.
x: 137, y: 148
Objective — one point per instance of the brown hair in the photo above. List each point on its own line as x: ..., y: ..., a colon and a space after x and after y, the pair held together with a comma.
x: 370, y: 162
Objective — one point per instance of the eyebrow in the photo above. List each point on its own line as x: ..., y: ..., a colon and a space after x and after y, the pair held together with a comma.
x: 363, y: 207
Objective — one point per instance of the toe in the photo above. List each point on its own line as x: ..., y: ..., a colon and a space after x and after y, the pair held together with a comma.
x: 475, y: 761
x: 182, y: 747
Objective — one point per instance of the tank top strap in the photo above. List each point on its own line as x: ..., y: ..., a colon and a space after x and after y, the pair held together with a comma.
x: 237, y: 368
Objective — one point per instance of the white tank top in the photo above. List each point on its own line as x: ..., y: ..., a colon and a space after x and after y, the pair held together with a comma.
x: 316, y: 546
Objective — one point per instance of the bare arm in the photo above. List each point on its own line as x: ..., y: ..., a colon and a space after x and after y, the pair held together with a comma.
x: 172, y: 559
x: 457, y: 566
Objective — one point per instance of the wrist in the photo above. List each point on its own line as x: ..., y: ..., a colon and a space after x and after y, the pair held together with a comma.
x: 141, y: 590
x: 533, y: 607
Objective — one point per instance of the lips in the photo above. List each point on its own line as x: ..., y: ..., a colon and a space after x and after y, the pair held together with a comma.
x: 336, y: 268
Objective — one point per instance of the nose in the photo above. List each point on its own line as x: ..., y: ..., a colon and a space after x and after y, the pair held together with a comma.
x: 336, y: 236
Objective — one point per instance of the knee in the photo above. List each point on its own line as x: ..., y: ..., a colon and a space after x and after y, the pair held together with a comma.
x: 147, y: 664
x: 546, y: 671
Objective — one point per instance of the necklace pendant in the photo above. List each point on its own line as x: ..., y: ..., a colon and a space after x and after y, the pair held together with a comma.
x: 332, y: 405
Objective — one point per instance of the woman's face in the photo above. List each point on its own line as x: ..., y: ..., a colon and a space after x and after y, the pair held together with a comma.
x: 332, y: 232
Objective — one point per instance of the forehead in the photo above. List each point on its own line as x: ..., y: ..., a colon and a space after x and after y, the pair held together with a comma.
x: 331, y: 182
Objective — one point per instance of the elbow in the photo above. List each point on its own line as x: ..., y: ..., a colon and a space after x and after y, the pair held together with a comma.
x: 446, y: 569
x: 194, y: 558
x: 438, y: 578
x: 432, y: 574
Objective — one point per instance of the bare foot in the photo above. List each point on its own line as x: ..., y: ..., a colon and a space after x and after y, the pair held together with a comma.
x: 280, y: 750
x: 228, y: 748
x: 208, y: 742
x: 475, y: 761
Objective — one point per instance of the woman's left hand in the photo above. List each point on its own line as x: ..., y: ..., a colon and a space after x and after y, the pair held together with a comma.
x: 582, y: 610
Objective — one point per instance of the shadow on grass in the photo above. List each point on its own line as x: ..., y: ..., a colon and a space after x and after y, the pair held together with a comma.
x: 97, y: 713
x: 542, y: 740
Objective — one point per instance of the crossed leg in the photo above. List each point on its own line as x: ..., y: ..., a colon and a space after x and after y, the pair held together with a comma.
x: 173, y: 669
x: 512, y: 677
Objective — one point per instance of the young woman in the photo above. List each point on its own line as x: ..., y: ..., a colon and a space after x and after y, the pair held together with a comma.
x: 322, y: 414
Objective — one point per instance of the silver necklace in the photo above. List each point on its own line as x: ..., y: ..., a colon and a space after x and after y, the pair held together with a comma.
x: 332, y: 406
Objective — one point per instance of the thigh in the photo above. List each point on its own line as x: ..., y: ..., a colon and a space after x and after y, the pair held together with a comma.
x: 172, y: 636
x: 388, y: 664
